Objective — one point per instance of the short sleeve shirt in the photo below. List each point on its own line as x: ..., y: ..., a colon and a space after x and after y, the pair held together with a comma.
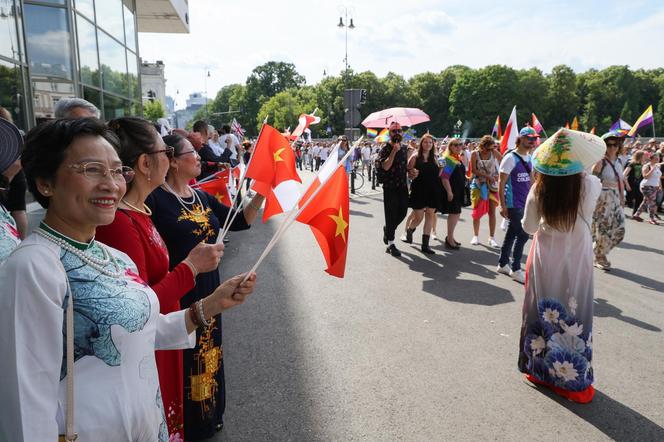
x: 395, y: 176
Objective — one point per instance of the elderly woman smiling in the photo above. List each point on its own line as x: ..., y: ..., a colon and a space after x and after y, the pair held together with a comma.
x: 73, y: 170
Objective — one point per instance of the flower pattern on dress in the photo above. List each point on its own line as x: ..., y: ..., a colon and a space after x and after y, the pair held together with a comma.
x: 558, y: 349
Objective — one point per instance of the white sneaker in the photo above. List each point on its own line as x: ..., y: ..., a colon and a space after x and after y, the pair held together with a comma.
x: 475, y: 241
x: 433, y: 236
x: 519, y: 276
x: 503, y: 225
x: 492, y: 243
x: 505, y: 270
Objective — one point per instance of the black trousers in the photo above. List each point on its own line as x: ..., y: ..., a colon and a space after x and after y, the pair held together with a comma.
x: 395, y: 203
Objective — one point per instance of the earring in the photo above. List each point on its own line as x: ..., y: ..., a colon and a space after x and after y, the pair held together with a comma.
x: 46, y: 191
x: 149, y: 179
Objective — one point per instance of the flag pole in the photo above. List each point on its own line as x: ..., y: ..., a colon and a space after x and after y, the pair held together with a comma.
x: 295, y: 213
x: 220, y: 238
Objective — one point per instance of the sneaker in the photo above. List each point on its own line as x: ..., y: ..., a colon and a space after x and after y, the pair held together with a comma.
x: 475, y: 241
x: 493, y: 243
x: 602, y: 265
x: 505, y: 270
x: 637, y: 218
x: 503, y: 225
x: 653, y: 222
x: 433, y: 235
x: 392, y: 250
x: 519, y: 276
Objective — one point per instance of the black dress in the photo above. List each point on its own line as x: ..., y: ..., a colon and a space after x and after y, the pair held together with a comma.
x: 182, y: 230
x: 426, y: 190
x: 458, y: 185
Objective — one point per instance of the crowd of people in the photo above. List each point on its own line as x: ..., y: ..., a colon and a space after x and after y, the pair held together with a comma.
x: 133, y: 250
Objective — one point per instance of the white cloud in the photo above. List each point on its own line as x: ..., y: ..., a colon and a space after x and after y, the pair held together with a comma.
x: 231, y: 38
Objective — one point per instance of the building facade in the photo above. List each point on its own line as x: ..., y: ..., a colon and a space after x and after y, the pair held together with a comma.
x: 53, y: 49
x: 153, y: 82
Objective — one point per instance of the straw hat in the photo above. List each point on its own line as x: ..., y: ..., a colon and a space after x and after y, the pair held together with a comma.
x: 568, y: 152
x: 11, y: 143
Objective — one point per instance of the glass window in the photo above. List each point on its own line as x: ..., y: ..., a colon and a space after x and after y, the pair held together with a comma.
x: 87, y: 51
x: 92, y: 95
x: 130, y: 29
x: 46, y: 93
x: 47, y: 35
x: 113, y: 64
x: 9, y: 43
x: 132, y: 65
x: 115, y: 107
x: 12, y: 92
x: 109, y: 17
x: 86, y: 7
x: 53, y: 2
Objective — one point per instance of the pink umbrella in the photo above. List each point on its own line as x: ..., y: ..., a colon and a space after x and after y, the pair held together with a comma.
x: 406, y: 116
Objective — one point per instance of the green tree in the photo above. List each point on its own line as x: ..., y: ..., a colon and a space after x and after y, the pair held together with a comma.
x: 153, y: 110
x: 282, y: 110
x: 562, y: 98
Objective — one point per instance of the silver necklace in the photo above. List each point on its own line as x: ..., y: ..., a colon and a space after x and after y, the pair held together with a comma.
x: 195, y: 199
x: 98, y: 264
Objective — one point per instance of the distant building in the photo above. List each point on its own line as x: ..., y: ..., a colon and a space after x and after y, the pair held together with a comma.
x: 53, y: 49
x: 170, y: 105
x: 182, y: 117
x: 153, y: 82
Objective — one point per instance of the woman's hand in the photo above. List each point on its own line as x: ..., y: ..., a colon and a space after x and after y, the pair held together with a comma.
x: 205, y: 257
x: 230, y: 293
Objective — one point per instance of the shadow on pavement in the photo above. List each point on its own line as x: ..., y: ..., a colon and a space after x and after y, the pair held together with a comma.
x: 617, y: 421
x: 605, y: 310
x: 362, y: 214
x: 266, y: 398
x: 643, y: 281
x: 443, y: 272
x: 639, y: 247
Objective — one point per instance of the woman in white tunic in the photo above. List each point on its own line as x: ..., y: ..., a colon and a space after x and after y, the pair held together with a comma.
x: 556, y: 334
x: 74, y: 171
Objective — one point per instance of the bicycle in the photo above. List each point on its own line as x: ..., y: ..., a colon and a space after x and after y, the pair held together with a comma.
x: 359, y: 175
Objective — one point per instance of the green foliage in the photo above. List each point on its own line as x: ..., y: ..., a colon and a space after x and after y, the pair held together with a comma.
x: 153, y: 110
x: 474, y: 96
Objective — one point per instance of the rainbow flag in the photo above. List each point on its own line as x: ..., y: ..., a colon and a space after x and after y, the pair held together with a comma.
x: 450, y: 162
x: 409, y: 135
x: 497, y: 129
x: 645, y: 119
x: 383, y: 136
x: 537, y: 125
x: 372, y: 133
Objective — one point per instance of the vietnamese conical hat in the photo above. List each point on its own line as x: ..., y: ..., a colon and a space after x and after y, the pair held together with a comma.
x: 11, y: 143
x: 568, y: 152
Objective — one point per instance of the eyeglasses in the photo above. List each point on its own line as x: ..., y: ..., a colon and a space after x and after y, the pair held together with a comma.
x: 612, y: 144
x: 169, y: 151
x: 186, y: 153
x: 97, y: 171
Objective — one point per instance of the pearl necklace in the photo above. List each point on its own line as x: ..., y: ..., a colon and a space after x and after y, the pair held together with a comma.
x: 98, y: 264
x: 146, y: 210
x: 183, y: 203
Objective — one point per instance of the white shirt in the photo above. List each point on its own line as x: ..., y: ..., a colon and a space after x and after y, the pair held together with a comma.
x: 216, y: 147
x: 366, y: 153
x: 509, y: 162
x: 233, y: 144
x: 654, y: 178
x: 315, y: 151
x: 118, y: 327
x: 323, y: 153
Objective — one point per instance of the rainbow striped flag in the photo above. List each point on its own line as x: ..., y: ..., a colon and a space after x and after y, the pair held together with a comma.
x: 620, y: 126
x: 497, y: 129
x: 409, y: 135
x: 645, y: 119
x: 383, y: 136
x: 450, y: 162
x: 372, y: 133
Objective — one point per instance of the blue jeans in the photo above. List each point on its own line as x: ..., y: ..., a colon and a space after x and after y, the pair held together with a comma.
x: 515, y: 236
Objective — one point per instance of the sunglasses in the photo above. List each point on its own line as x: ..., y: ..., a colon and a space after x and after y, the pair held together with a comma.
x: 169, y: 151
x: 396, y: 131
x: 611, y: 144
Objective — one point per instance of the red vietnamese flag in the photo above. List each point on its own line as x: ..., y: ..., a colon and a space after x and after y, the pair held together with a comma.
x: 273, y: 160
x: 328, y: 217
x: 218, y: 187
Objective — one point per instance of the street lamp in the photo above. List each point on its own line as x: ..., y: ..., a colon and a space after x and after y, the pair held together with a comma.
x: 206, y: 93
x: 346, y: 25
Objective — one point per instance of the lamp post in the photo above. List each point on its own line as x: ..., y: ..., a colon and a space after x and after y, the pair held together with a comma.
x: 346, y: 25
x: 206, y: 93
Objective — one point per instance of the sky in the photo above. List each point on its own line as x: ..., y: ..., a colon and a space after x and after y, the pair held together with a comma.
x: 230, y: 38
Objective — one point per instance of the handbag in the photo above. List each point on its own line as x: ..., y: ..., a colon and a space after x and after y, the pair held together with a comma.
x: 69, y: 435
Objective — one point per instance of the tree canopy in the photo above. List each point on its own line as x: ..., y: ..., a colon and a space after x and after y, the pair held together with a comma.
x: 474, y: 96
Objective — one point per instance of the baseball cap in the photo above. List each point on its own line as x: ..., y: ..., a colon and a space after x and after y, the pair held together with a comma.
x: 528, y: 132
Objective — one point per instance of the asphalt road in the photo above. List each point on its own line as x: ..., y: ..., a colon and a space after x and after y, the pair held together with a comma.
x: 424, y: 348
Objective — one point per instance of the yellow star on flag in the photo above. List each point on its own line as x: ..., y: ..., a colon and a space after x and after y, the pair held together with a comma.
x: 221, y: 198
x: 341, y: 224
x: 277, y: 155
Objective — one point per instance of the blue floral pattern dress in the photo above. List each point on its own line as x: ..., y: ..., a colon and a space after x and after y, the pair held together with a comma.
x: 556, y: 334
x: 9, y: 237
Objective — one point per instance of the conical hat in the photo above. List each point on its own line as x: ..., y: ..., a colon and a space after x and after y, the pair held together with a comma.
x: 11, y: 143
x: 568, y: 152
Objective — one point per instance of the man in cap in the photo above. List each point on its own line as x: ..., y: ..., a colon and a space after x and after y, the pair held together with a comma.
x: 393, y: 160
x: 515, y: 178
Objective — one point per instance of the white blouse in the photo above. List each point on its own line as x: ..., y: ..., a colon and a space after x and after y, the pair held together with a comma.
x: 117, y: 329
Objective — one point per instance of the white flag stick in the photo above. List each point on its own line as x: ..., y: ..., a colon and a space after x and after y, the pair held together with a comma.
x: 291, y: 218
x: 242, y: 178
